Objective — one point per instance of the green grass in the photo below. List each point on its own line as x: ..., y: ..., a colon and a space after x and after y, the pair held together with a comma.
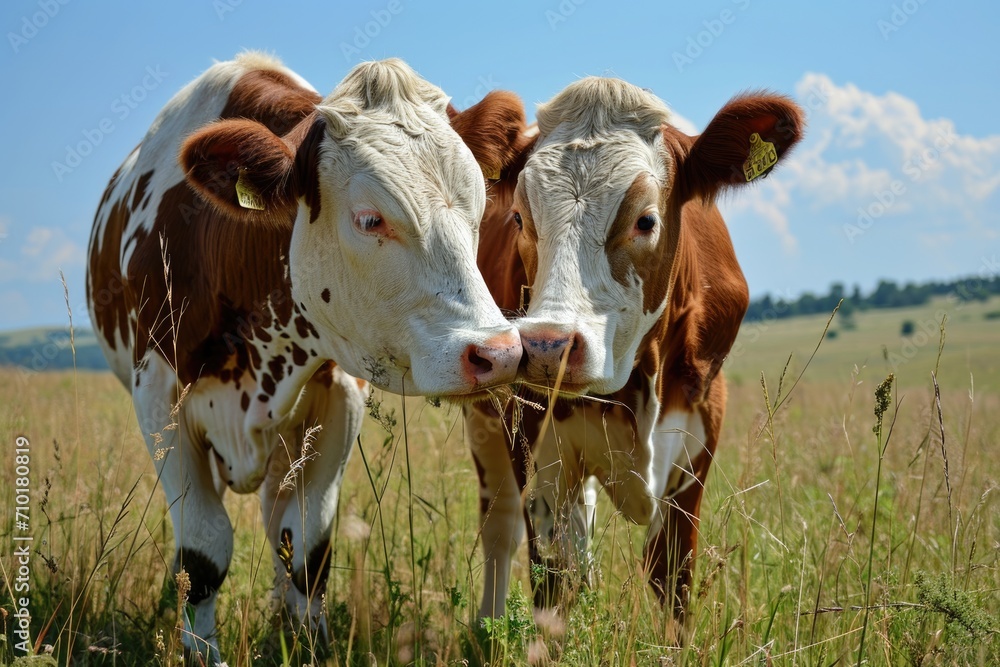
x: 798, y: 561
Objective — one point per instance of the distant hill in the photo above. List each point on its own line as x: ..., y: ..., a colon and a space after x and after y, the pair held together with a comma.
x: 49, y: 349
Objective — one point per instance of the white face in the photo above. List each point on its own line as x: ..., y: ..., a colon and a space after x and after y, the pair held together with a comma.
x: 387, y: 270
x: 593, y: 239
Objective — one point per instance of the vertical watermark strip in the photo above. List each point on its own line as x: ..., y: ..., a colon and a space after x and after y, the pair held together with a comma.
x: 22, y: 545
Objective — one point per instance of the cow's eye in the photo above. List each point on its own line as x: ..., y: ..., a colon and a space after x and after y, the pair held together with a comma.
x: 646, y: 223
x: 368, y: 221
x: 518, y: 221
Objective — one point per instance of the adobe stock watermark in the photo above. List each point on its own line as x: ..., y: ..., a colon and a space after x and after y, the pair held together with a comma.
x: 22, y: 538
x: 913, y: 169
x: 121, y: 107
x: 364, y: 34
x: 562, y: 12
x: 700, y: 42
x: 928, y: 330
x: 486, y: 84
x: 899, y: 16
x: 34, y: 23
x: 223, y: 7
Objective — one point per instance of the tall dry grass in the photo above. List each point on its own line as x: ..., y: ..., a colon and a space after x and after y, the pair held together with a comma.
x: 822, y: 542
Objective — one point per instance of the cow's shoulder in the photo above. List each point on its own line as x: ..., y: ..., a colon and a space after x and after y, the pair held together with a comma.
x: 202, y: 284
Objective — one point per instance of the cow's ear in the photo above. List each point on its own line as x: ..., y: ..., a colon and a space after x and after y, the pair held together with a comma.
x: 744, y: 141
x: 243, y: 169
x: 494, y: 129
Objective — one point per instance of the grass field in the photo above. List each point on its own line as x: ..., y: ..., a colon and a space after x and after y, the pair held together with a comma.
x: 822, y: 542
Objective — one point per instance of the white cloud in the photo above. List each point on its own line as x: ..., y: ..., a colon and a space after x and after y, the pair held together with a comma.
x: 862, y: 150
x: 768, y: 200
x: 863, y: 139
x: 39, y: 256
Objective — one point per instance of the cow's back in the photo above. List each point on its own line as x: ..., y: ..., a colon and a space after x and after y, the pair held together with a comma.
x: 162, y: 260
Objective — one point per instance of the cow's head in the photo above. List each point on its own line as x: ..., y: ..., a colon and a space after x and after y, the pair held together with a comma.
x: 598, y: 204
x: 385, y: 201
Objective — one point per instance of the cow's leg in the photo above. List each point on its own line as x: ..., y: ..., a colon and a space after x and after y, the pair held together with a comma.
x: 672, y: 540
x: 202, y: 531
x: 500, y: 510
x: 300, y: 493
x: 560, y: 549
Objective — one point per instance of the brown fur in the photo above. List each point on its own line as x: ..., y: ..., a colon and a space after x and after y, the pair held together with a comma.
x: 224, y: 278
x: 106, y: 282
x: 716, y: 159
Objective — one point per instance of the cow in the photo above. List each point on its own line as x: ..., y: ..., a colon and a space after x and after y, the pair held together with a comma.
x: 603, y: 238
x: 260, y: 249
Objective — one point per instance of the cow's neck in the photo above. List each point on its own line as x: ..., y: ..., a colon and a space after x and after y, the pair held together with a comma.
x: 285, y: 357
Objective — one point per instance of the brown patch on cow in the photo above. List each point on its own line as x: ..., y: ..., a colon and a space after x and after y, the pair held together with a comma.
x: 707, y: 302
x: 222, y: 301
x: 106, y: 281
x: 217, y: 303
x: 484, y: 502
x: 627, y: 254
x: 140, y: 189
x: 244, y: 401
x: 301, y: 326
x: 267, y: 384
x: 325, y: 294
x: 277, y: 367
x: 271, y: 98
x: 299, y: 356
x: 324, y: 375
x: 306, y: 158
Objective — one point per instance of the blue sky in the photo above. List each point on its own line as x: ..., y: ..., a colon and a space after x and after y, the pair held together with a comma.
x: 898, y: 176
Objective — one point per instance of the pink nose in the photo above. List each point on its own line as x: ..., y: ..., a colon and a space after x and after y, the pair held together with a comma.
x: 545, y: 348
x: 494, y: 362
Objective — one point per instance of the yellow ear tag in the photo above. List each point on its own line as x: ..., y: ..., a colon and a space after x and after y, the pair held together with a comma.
x: 490, y: 174
x: 247, y: 194
x: 762, y: 157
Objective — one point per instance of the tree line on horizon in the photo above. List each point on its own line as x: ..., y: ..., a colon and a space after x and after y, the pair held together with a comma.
x: 888, y: 294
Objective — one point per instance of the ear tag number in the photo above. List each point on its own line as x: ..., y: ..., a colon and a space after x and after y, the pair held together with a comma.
x: 247, y: 194
x: 762, y: 157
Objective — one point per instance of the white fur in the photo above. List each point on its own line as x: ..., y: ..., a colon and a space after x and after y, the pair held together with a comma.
x: 678, y: 439
x: 573, y: 183
x: 404, y: 310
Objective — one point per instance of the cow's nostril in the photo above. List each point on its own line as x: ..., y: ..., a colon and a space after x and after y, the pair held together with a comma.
x: 479, y: 363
